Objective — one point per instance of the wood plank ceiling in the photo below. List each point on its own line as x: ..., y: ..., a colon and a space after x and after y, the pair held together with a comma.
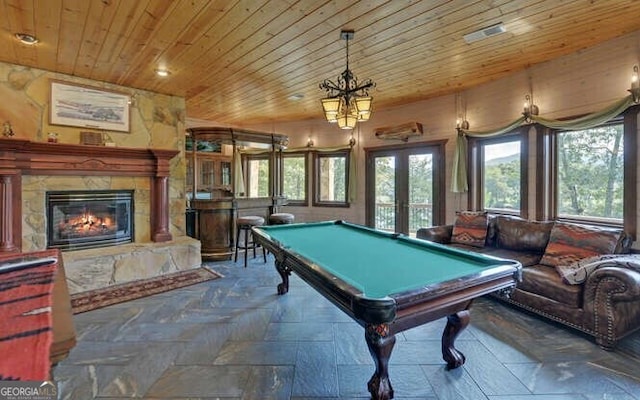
x: 240, y: 61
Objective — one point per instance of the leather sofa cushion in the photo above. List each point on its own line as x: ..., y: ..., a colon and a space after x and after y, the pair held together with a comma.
x: 470, y: 228
x: 522, y: 235
x: 525, y: 258
x: 545, y: 281
x: 569, y: 243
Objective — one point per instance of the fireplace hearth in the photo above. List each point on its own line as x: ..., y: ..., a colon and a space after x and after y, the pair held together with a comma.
x: 87, y: 219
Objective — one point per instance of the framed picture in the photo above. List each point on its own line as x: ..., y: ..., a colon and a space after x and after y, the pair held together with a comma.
x: 89, y: 107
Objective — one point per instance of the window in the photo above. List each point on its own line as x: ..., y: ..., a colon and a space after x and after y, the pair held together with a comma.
x: 500, y: 174
x: 331, y: 178
x: 590, y: 173
x: 257, y: 175
x: 294, y: 178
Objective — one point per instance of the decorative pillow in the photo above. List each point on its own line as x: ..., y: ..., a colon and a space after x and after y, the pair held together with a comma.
x: 470, y: 228
x: 569, y: 243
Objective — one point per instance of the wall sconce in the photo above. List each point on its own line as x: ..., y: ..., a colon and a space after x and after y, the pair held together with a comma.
x: 635, y: 85
x: 352, y: 140
x: 462, y: 124
x: 529, y: 108
x: 7, y: 130
x: 310, y: 142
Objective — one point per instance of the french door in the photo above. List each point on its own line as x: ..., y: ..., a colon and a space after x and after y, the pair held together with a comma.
x: 405, y: 187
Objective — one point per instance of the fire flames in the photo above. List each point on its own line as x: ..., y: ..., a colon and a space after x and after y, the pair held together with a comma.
x: 86, y: 224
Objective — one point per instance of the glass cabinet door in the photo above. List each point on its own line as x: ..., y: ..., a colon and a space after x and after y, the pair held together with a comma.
x: 213, y: 173
x: 207, y: 174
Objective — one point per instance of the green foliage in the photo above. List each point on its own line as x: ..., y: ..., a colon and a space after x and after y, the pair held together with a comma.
x: 420, y: 191
x: 333, y: 178
x: 258, y: 178
x: 420, y: 195
x: 294, y: 178
x: 590, y: 172
x: 502, y: 184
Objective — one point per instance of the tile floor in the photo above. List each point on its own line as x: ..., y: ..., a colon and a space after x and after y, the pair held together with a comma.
x: 234, y: 338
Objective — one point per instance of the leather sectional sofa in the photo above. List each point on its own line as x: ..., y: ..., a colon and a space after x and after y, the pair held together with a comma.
x: 606, y: 305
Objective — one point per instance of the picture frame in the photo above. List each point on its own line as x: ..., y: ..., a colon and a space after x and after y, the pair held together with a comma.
x: 89, y: 107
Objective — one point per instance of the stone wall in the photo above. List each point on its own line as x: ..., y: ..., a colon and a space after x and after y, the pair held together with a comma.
x: 97, y: 268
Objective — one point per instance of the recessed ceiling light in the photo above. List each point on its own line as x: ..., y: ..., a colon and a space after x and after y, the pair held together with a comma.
x: 296, y: 97
x: 162, y: 72
x: 26, y: 38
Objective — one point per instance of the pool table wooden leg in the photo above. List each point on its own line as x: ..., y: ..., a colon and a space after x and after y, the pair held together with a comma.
x: 380, y: 344
x: 284, y: 272
x: 455, y: 324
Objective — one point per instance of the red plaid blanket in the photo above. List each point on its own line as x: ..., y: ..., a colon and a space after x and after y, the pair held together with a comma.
x: 25, y: 317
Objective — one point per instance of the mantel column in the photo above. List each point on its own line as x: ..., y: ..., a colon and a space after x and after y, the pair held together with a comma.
x: 160, y: 210
x: 10, y: 211
x: 160, y: 196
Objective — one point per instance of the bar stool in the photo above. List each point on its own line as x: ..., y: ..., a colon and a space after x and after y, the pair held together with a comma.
x: 281, y: 219
x: 244, y: 224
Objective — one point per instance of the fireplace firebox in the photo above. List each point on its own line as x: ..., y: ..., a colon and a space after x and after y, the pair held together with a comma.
x: 86, y: 219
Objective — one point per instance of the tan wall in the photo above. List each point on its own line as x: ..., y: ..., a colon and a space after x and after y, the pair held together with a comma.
x: 580, y: 83
x: 157, y: 121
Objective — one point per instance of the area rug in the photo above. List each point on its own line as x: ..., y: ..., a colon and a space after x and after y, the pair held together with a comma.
x: 93, y: 299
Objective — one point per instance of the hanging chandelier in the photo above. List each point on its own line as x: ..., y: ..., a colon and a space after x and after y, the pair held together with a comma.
x: 347, y: 102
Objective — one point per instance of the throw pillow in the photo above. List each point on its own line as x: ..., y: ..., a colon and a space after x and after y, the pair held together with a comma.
x: 470, y: 228
x: 569, y: 243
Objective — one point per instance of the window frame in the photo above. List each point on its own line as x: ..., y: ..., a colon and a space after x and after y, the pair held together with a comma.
x: 476, y: 165
x: 317, y: 156
x: 297, y: 154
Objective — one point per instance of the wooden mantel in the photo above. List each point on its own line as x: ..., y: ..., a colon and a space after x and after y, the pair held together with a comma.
x: 23, y: 157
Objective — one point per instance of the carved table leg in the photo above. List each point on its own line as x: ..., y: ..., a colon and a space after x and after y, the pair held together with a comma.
x: 380, y: 345
x: 455, y: 324
x: 284, y: 274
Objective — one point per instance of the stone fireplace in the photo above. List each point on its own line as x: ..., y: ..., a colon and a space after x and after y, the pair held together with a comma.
x: 83, y: 219
x: 29, y: 171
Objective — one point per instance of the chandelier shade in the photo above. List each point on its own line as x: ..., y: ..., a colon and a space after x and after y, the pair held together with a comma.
x: 347, y: 121
x: 348, y: 101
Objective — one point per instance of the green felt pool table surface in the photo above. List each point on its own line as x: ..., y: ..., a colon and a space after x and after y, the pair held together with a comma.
x: 377, y: 263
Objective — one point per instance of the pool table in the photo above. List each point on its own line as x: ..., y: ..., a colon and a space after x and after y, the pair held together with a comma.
x: 387, y: 282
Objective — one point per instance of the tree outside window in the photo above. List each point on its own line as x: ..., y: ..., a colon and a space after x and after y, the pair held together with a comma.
x: 294, y: 178
x: 590, y: 173
x: 257, y: 177
x: 501, y: 176
x: 330, y: 188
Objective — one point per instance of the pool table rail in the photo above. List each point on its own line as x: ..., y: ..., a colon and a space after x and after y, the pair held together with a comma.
x: 420, y: 306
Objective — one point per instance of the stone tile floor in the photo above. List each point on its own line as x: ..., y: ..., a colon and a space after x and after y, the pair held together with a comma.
x: 234, y: 338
